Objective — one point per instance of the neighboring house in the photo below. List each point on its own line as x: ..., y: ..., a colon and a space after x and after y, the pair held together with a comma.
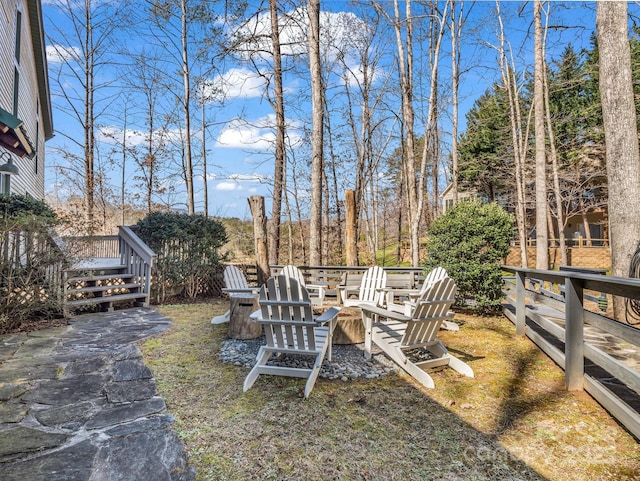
x: 590, y: 229
x: 25, y: 105
x: 448, y: 200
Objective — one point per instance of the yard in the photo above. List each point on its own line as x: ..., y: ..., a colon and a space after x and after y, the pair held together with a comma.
x: 514, y: 420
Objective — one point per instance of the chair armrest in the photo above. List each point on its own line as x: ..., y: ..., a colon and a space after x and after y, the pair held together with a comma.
x: 243, y: 290
x: 396, y: 316
x: 328, y: 315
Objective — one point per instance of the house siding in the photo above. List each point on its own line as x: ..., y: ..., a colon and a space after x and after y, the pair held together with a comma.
x: 31, y: 177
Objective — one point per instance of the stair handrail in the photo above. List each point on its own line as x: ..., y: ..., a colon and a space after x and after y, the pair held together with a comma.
x: 137, y: 256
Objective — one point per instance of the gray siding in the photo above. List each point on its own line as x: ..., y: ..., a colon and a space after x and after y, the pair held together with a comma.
x: 31, y: 177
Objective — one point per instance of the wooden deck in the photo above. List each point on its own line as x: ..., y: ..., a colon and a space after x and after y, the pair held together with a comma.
x: 598, y: 354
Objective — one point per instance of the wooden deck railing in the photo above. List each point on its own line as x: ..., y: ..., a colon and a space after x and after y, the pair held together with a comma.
x: 532, y: 311
x: 137, y: 256
x: 93, y: 246
x: 333, y: 274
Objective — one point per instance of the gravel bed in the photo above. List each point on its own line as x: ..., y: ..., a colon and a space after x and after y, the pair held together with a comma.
x: 347, y: 362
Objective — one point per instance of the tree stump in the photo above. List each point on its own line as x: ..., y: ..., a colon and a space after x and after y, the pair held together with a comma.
x: 240, y: 325
x: 349, y: 328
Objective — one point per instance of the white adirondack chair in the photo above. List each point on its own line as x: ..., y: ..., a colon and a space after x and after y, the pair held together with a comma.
x: 290, y: 328
x: 424, y: 294
x: 373, y: 281
x: 427, y: 293
x: 236, y: 284
x: 399, y: 333
x: 413, y: 295
x: 295, y: 273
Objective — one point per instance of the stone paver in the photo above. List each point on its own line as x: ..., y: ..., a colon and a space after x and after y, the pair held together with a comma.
x: 78, y: 403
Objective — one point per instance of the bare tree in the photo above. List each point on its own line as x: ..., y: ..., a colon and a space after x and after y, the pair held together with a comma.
x: 280, y: 151
x: 84, y: 52
x: 176, y: 26
x: 518, y: 138
x: 542, y: 238
x: 621, y: 137
x: 317, y: 108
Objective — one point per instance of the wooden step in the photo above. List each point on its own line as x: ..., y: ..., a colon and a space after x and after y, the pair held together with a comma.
x: 130, y: 285
x: 104, y: 269
x: 107, y: 299
x: 102, y: 277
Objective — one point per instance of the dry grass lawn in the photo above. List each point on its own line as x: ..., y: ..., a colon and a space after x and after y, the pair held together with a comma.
x: 513, y: 421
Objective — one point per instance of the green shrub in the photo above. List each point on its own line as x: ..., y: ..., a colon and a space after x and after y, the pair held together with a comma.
x: 30, y: 263
x: 470, y: 241
x: 188, y: 249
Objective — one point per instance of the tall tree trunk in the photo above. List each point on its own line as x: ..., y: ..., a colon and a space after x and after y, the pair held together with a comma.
x: 317, y: 129
x: 430, y: 139
x: 334, y: 185
x: 287, y: 213
x: 326, y: 221
x: 89, y: 123
x: 280, y: 151
x: 204, y: 160
x: 301, y: 227
x: 400, y: 219
x: 518, y: 140
x: 405, y: 71
x: 621, y: 137
x: 542, y: 236
x: 456, y: 28
x: 556, y: 178
x: 186, y: 108
x: 124, y: 163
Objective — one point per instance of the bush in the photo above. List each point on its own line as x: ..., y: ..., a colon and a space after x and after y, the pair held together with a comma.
x: 188, y: 249
x: 470, y: 241
x: 30, y: 264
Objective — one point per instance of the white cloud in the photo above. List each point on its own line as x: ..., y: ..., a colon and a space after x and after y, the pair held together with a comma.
x: 354, y: 75
x: 60, y: 53
x: 113, y: 135
x: 227, y: 186
x: 239, y: 134
x: 234, y: 83
x: 339, y: 33
x: 249, y: 177
x: 241, y: 182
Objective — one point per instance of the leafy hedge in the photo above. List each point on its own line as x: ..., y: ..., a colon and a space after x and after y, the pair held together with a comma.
x: 188, y: 249
x: 470, y: 241
x: 30, y: 265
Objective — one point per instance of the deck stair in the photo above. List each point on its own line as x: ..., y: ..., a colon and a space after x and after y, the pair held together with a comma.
x: 105, y: 282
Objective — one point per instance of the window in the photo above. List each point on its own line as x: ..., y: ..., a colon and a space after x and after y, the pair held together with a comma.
x: 16, y: 90
x: 35, y: 157
x: 18, y: 34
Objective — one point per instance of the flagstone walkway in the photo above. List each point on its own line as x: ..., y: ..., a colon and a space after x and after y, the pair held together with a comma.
x: 78, y: 403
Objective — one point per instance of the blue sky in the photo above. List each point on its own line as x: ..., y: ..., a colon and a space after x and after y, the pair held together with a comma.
x: 240, y: 157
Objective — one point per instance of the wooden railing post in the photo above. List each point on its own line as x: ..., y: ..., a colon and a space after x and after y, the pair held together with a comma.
x: 574, y: 335
x: 521, y: 306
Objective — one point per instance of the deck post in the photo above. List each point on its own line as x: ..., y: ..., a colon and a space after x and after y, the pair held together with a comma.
x: 521, y: 306
x: 574, y: 335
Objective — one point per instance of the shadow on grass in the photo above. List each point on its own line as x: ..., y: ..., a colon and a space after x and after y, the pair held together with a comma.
x: 516, y: 403
x: 380, y: 429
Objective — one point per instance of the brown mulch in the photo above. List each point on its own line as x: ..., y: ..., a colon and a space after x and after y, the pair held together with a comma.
x: 32, y: 326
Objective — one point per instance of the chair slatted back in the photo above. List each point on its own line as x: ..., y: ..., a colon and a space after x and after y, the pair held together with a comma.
x: 373, y: 279
x: 287, y: 315
x: 432, y: 277
x: 430, y: 312
x: 294, y: 273
x: 234, y: 278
